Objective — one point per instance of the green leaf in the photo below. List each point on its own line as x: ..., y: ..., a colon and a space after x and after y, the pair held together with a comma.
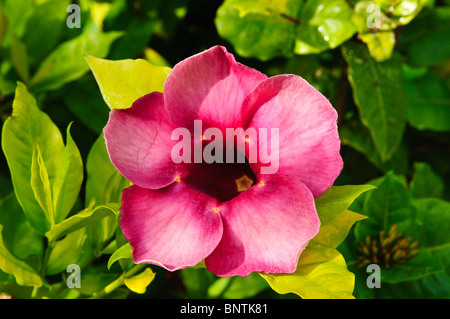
x: 335, y: 219
x: 123, y: 82
x: 47, y: 20
x: 18, y: 235
x: 321, y: 274
x: 388, y: 205
x: 380, y: 96
x: 425, y: 182
x: 258, y: 35
x: 324, y: 25
x: 138, y: 283
x: 425, y: 40
x: 380, y: 44
x: 377, y: 21
x: 67, y: 251
x: 124, y: 251
x: 68, y: 179
x: 266, y: 29
x: 80, y: 220
x: 40, y: 184
x: 19, y: 58
x: 22, y: 131
x: 66, y: 62
x: 334, y: 232
x: 356, y: 135
x: 24, y: 274
x: 104, y: 183
x: 428, y: 102
x: 432, y: 232
x: 337, y: 199
x: 245, y: 287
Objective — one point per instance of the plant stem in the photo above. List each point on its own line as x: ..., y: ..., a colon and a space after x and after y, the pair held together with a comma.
x: 118, y: 282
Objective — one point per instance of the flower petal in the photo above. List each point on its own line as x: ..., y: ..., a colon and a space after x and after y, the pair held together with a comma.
x: 309, y: 143
x: 139, y: 142
x: 265, y: 228
x: 211, y: 87
x: 174, y: 227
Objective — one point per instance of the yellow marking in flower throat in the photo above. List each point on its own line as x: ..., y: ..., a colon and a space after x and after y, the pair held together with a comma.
x: 243, y: 183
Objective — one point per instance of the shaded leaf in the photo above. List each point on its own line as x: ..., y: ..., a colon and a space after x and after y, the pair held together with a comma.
x: 66, y: 63
x: 425, y: 182
x: 380, y: 96
x: 24, y: 274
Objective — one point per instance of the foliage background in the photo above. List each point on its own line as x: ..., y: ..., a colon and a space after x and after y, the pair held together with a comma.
x: 393, y: 101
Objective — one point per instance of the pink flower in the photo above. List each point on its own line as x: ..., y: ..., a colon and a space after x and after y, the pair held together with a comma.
x: 230, y: 214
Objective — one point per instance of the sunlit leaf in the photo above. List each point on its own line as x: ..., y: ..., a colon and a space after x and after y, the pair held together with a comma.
x: 124, y: 251
x: 321, y: 274
x: 138, y: 283
x: 22, y: 131
x: 123, y: 82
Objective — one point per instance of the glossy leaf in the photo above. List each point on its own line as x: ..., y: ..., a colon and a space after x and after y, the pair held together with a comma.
x: 323, y: 25
x: 123, y: 82
x: 24, y: 274
x: 321, y: 274
x: 380, y: 96
x: 265, y: 29
x: 258, y: 35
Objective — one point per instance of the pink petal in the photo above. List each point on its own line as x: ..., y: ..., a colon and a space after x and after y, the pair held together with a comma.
x: 265, y: 228
x: 139, y: 142
x: 174, y: 227
x: 211, y: 87
x: 309, y: 143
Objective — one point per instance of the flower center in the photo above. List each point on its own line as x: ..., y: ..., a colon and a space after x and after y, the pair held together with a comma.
x: 222, y: 181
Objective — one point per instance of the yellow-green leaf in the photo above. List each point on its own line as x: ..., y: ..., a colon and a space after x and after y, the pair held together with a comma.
x: 124, y: 81
x: 139, y: 283
x: 321, y: 274
x: 40, y: 184
x: 333, y: 233
x: 84, y: 218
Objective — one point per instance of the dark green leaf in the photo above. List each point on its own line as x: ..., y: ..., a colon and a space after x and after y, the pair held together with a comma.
x: 379, y: 94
